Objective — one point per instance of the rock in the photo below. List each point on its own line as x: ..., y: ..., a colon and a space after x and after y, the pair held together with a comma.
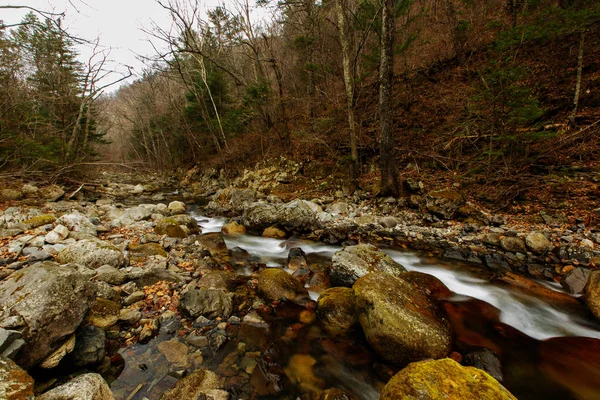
x: 138, y: 189
x: 531, y: 287
x: 92, y: 254
x: 485, y: 360
x: 401, y: 324
x: 575, y: 281
x: 29, y: 190
x: 537, y: 243
x: 233, y: 228
x: 197, y: 341
x: 128, y: 216
x: 10, y: 194
x: 11, y: 342
x: 300, y: 371
x: 84, y: 387
x: 15, y: 383
x: 89, y: 348
x: 352, y: 262
x: 178, y: 226
x: 148, y: 277
x: 51, y: 193
x: 108, y: 274
x: 174, y: 351
x: 298, y: 215
x: 513, y: 244
x: 443, y: 379
x: 336, y: 309
x: 106, y: 291
x: 147, y: 249
x: 35, y: 254
x: 51, y: 300
x: 40, y: 220
x: 222, y: 280
x: 214, y: 242
x: 78, y: 223
x: 58, y: 234
x: 429, y: 285
x: 134, y: 297
x: 193, y: 386
x: 210, y: 303
x: 556, y: 220
x: 176, y: 207
x: 104, y: 313
x: 129, y: 316
x: 297, y: 259
x: 338, y: 208
x: 592, y: 293
x: 274, y: 233
x: 444, y: 203
x: 57, y: 355
x: 389, y: 222
x: 413, y: 186
x: 276, y: 284
x: 217, y: 394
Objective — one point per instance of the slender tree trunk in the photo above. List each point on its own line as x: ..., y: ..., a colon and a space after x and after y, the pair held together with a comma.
x: 389, y: 181
x: 578, y: 84
x: 348, y: 82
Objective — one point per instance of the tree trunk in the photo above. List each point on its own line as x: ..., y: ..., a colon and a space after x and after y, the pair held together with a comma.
x: 389, y: 182
x: 578, y: 83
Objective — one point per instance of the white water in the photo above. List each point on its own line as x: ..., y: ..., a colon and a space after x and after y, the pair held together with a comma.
x: 530, y: 315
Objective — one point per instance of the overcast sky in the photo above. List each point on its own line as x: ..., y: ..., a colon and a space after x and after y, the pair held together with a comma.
x: 118, y: 23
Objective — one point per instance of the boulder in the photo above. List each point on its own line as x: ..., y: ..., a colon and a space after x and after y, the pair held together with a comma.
x: 210, y: 303
x: 51, y: 300
x: 443, y: 380
x: 104, y: 313
x: 11, y: 342
x: 128, y: 216
x: 57, y: 355
x: 10, y: 194
x: 217, y: 279
x: 148, y: 277
x: 276, y: 284
x: 129, y: 316
x: 444, y: 203
x: 513, y: 244
x: 400, y: 323
x: 486, y: 360
x: 298, y: 215
x: 274, y: 232
x: 336, y: 309
x: 193, y: 386
x: 537, y: 243
x: 176, y: 207
x: 108, y: 274
x: 147, y: 249
x: 592, y: 293
x: 51, y: 193
x: 40, y: 220
x: 92, y: 254
x: 178, y: 226
x: 575, y: 281
x: 78, y: 223
x: 15, y: 383
x: 233, y: 228
x: 429, y: 285
x: 353, y: 262
x: 214, y: 242
x: 58, y: 234
x: 84, y: 387
x: 90, y: 344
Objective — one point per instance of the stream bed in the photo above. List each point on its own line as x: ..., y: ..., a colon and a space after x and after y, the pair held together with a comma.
x: 548, y: 347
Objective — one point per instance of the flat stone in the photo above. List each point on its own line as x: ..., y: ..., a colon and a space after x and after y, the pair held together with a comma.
x: 84, y: 387
x: 174, y: 351
x: 15, y: 383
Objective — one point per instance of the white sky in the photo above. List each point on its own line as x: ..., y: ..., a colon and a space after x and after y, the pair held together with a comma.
x: 118, y: 23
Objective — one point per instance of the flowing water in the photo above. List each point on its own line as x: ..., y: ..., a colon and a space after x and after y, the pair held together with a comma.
x: 514, y: 323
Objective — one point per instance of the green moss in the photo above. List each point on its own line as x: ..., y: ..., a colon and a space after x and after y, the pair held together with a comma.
x: 40, y: 220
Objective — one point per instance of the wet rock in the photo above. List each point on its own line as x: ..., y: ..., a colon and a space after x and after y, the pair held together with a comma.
x: 89, y: 348
x: 276, y: 284
x: 92, y: 254
x: 147, y: 249
x: 429, y: 285
x: 197, y: 341
x: 298, y: 215
x: 297, y: 259
x: 444, y: 203
x: 78, y: 223
x: 129, y: 316
x: 336, y: 309
x: 193, y: 386
x: 537, y: 243
x: 51, y: 300
x: 51, y: 193
x: 209, y: 303
x: 592, y: 293
x: 214, y: 242
x: 177, y: 226
x: 300, y: 371
x: 57, y: 235
x: 401, y: 324
x: 222, y: 280
x: 443, y: 379
x: 352, y: 262
x: 485, y: 360
x: 176, y: 207
x: 274, y: 233
x: 174, y: 351
x: 57, y: 355
x: 84, y: 387
x: 104, y: 313
x: 513, y: 244
x: 15, y: 383
x: 233, y: 228
x: 575, y: 281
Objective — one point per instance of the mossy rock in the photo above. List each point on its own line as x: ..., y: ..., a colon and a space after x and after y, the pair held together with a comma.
x: 40, y: 220
x: 177, y: 226
x: 276, y: 284
x: 91, y: 253
x: 104, y: 313
x: 444, y: 380
x: 147, y: 249
x: 336, y: 308
x: 233, y: 228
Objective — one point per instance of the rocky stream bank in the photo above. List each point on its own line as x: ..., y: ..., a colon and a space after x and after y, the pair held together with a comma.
x: 101, y: 299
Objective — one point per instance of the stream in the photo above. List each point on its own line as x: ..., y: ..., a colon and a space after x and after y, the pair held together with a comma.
x: 548, y: 348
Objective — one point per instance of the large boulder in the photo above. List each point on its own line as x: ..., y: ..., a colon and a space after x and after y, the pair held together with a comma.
x: 400, y: 323
x: 298, y: 215
x: 15, y: 383
x: 214, y: 242
x: 92, y: 254
x: 575, y: 281
x: 353, y: 262
x: 276, y: 284
x: 443, y: 380
x: 336, y: 308
x: 78, y: 223
x: 210, y: 303
x: 592, y: 293
x: 177, y: 226
x: 51, y: 300
x: 128, y: 216
x: 84, y: 387
x: 90, y: 346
